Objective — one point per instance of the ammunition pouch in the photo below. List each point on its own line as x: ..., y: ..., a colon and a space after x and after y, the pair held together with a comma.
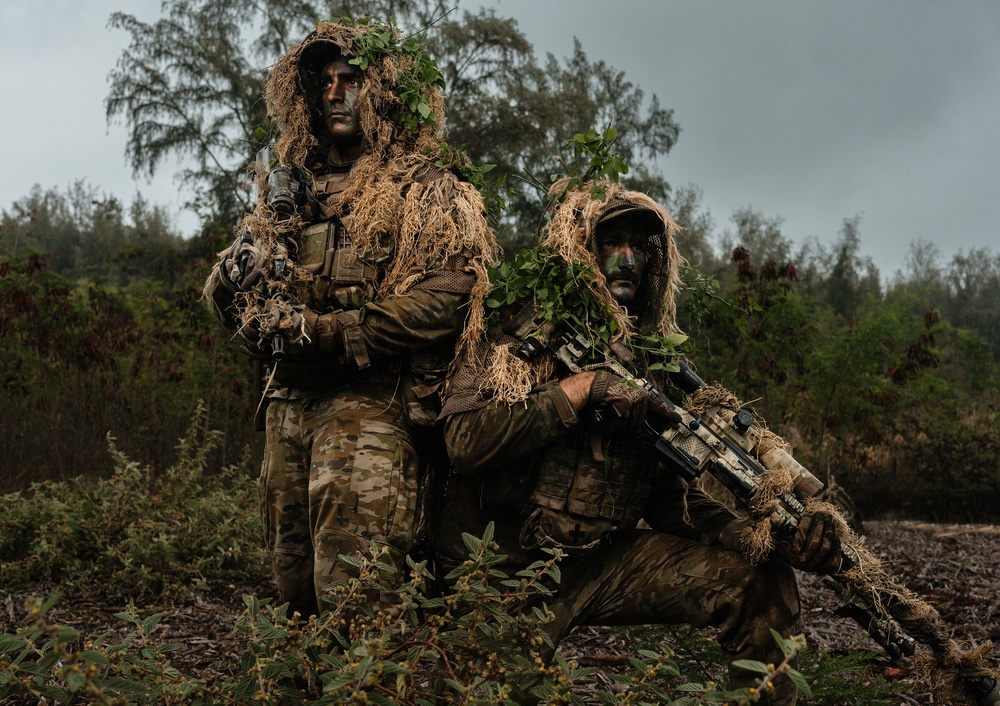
x: 550, y: 529
x: 581, y: 497
x: 339, y: 278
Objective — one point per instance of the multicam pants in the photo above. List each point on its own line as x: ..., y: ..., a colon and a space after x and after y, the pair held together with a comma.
x: 339, y: 472
x: 647, y: 577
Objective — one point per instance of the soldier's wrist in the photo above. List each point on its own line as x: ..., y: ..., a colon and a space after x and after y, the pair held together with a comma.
x: 731, y: 536
x: 577, y: 389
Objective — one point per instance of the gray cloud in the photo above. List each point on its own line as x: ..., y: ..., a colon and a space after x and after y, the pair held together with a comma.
x: 816, y: 111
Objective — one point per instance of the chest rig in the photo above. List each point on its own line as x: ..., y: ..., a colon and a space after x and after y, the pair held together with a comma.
x: 339, y: 279
x: 587, y: 487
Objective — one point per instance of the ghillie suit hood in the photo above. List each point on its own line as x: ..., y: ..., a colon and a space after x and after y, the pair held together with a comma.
x: 408, y: 216
x: 572, y: 234
x: 491, y: 369
x: 291, y: 105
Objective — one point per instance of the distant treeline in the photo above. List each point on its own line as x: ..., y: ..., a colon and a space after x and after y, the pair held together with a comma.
x: 886, y: 383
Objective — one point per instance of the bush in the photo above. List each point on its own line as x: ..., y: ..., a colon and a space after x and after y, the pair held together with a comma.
x: 79, y: 360
x: 136, y: 533
x: 470, y: 644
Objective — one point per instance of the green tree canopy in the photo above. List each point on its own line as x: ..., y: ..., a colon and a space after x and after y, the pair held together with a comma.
x: 83, y: 233
x: 189, y: 86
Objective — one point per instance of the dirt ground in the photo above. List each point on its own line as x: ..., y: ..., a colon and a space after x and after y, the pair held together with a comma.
x: 955, y: 567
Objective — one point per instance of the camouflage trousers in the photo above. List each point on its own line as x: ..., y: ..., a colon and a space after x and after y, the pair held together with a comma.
x: 340, y: 471
x: 648, y: 577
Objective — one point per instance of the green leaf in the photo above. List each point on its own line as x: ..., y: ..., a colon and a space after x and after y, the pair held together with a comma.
x: 800, y: 681
x: 9, y: 643
x: 752, y: 665
x: 123, y: 685
x: 151, y: 622
x: 691, y: 686
x: 53, y: 693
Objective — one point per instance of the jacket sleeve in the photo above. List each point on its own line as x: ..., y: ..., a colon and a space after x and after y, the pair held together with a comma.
x: 672, y: 497
x: 401, y: 324
x: 219, y: 299
x: 498, y: 434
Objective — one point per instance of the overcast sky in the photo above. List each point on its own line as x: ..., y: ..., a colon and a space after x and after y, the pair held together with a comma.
x: 814, y: 111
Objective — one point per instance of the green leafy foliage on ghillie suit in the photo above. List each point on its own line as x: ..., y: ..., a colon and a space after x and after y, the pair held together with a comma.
x: 409, y: 216
x: 561, y: 275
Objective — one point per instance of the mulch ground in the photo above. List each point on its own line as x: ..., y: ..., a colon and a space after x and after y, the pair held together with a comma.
x: 955, y: 567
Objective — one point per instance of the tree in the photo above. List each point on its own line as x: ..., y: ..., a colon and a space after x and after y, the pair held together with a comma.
x: 966, y: 290
x: 82, y: 233
x: 189, y: 86
x: 186, y: 88
x: 758, y: 234
x: 518, y: 114
x: 696, y: 236
x: 973, y: 281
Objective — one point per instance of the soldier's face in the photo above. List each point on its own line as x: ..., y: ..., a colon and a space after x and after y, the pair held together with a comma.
x: 621, y: 255
x: 339, y: 86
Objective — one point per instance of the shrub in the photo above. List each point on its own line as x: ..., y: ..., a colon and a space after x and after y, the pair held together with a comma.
x: 136, y: 533
x: 470, y: 644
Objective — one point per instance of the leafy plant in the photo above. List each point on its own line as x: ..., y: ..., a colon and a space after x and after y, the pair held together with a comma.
x: 136, y: 532
x: 419, y: 73
x: 594, y: 160
x: 495, y: 193
x: 476, y: 642
x: 562, y: 299
x: 845, y: 680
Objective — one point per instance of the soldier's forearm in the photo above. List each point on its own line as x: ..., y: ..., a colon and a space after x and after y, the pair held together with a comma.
x: 498, y: 435
x: 418, y: 319
x: 577, y: 389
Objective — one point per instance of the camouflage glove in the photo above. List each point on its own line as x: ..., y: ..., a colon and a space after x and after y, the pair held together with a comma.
x: 241, y: 265
x: 254, y: 352
x: 663, y: 411
x: 731, y: 537
x: 616, y: 404
x: 815, y: 546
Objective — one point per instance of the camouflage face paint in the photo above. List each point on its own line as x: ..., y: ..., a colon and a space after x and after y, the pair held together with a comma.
x: 339, y: 85
x: 621, y: 255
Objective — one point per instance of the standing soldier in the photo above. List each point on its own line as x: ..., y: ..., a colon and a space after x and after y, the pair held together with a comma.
x: 350, y: 280
x: 559, y: 459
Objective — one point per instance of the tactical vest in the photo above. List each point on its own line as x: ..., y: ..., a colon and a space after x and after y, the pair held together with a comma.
x: 326, y: 253
x: 339, y: 281
x: 587, y: 487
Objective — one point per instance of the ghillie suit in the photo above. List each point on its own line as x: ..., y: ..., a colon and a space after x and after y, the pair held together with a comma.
x: 350, y: 279
x: 551, y: 477
x: 506, y: 418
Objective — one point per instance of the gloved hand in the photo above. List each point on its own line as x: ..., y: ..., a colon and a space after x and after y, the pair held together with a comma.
x: 815, y: 546
x: 241, y: 265
x: 254, y: 352
x: 325, y: 331
x: 616, y: 404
